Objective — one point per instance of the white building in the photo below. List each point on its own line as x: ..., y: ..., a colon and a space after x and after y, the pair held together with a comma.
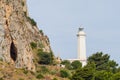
x: 82, y: 46
x: 81, y: 36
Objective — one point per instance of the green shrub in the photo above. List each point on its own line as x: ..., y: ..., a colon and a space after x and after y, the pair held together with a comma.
x: 21, y: 79
x: 39, y: 76
x: 44, y: 69
x: 40, y: 50
x: 76, y: 64
x: 32, y: 21
x: 1, y: 59
x: 33, y: 45
x: 23, y: 4
x: 40, y: 31
x: 45, y: 58
x: 53, y: 72
x: 55, y: 79
x: 64, y: 73
x: 116, y: 76
x: 25, y: 71
x: 40, y: 45
x: 67, y: 64
x: 1, y: 78
x: 32, y: 72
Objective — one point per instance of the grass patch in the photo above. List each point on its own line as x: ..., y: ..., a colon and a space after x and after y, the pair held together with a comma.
x: 39, y: 76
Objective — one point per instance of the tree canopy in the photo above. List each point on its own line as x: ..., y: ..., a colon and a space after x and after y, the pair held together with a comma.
x: 76, y: 64
x: 102, y: 61
x: 99, y: 67
x: 45, y: 57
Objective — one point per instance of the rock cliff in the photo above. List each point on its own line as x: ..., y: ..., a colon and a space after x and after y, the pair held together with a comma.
x: 17, y: 31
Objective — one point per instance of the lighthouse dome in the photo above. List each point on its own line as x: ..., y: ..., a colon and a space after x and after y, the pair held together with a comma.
x: 81, y: 33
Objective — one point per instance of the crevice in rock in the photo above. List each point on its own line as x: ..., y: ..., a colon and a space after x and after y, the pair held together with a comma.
x: 13, y: 51
x: 6, y: 22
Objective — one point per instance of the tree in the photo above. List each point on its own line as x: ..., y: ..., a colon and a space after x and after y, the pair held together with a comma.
x: 103, y: 75
x: 67, y: 64
x: 85, y: 73
x: 64, y: 73
x: 118, y: 69
x: 45, y: 57
x: 112, y: 66
x: 116, y: 76
x: 76, y: 64
x: 103, y: 62
x: 99, y: 67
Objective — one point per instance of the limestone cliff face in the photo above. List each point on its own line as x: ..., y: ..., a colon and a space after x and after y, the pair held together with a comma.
x: 17, y: 31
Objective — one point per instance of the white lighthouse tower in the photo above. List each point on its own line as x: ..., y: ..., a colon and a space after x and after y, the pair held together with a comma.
x: 82, y: 46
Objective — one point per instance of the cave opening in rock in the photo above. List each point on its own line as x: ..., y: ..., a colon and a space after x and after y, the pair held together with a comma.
x: 13, y: 51
x: 6, y: 22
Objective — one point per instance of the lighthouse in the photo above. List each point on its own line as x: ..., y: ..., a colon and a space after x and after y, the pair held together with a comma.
x: 82, y: 46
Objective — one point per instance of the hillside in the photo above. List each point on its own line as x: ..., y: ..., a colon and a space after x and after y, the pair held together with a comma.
x: 25, y: 52
x: 9, y: 72
x: 17, y: 32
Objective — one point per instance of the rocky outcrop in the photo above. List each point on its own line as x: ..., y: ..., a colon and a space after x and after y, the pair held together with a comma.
x: 17, y: 31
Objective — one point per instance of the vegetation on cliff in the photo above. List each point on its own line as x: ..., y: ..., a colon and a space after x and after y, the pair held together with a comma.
x: 25, y: 52
x: 99, y: 67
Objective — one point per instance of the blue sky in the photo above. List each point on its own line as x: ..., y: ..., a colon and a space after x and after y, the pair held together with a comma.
x: 60, y: 20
